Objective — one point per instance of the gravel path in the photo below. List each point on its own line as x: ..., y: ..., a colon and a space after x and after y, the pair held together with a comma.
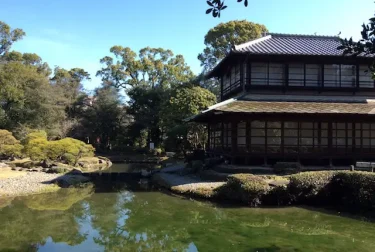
x: 31, y: 182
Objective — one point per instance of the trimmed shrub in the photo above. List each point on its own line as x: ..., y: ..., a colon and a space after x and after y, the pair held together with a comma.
x: 36, y: 149
x: 36, y: 134
x: 309, y: 187
x: 353, y: 190
x: 67, y: 150
x: 277, y: 196
x: 245, y: 188
x: 9, y: 145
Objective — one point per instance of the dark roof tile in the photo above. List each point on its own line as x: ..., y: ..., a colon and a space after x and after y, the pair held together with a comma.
x: 297, y: 107
x: 292, y: 45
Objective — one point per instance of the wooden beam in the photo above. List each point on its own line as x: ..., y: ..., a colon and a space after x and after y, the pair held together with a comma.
x: 242, y: 81
x: 222, y: 87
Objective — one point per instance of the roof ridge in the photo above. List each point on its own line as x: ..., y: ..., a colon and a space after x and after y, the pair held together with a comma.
x: 303, y: 35
x: 251, y: 42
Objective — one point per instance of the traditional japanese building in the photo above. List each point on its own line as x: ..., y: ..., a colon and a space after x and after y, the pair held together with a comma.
x: 292, y: 98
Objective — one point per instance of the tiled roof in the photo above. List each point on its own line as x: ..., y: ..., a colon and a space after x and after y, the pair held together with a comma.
x: 289, y: 44
x: 297, y: 107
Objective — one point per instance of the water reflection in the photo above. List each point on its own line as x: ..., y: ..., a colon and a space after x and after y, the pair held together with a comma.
x: 81, y: 220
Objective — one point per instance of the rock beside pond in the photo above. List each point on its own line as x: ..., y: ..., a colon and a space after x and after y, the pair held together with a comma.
x: 71, y: 180
x: 89, y: 164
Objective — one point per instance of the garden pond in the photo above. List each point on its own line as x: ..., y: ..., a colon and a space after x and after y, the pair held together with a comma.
x: 136, y: 217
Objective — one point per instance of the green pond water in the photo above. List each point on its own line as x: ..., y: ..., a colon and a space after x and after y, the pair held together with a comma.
x: 128, y: 167
x: 133, y: 218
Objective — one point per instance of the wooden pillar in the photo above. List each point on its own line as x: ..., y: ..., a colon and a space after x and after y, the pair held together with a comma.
x: 282, y: 140
x: 248, y: 83
x: 353, y: 143
x: 248, y: 141
x: 234, y: 140
x: 298, y: 139
x: 209, y: 137
x: 265, y: 144
x: 221, y: 88
x: 321, y: 86
x: 330, y: 149
x: 222, y: 136
x: 242, y: 80
x: 286, y: 77
x: 357, y: 78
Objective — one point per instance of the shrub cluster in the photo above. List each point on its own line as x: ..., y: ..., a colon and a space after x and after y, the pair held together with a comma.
x: 67, y: 150
x: 245, y: 188
x: 9, y: 145
x: 38, y: 148
x: 310, y: 187
x: 352, y: 191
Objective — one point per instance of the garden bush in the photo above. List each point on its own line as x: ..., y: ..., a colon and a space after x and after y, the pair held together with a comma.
x: 353, y: 190
x: 245, y: 188
x: 9, y: 145
x: 67, y: 150
x: 36, y: 148
x: 309, y: 187
x: 277, y: 196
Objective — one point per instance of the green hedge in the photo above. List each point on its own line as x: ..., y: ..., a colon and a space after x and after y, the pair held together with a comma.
x: 245, y: 188
x: 353, y: 190
x: 350, y: 191
x: 309, y: 187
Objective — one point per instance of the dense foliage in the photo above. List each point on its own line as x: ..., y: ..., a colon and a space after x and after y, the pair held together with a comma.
x: 67, y: 150
x: 160, y: 92
x: 365, y: 45
x: 220, y: 40
x: 38, y: 148
x: 9, y: 145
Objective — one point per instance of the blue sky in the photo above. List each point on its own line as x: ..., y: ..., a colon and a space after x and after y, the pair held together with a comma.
x: 78, y: 33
